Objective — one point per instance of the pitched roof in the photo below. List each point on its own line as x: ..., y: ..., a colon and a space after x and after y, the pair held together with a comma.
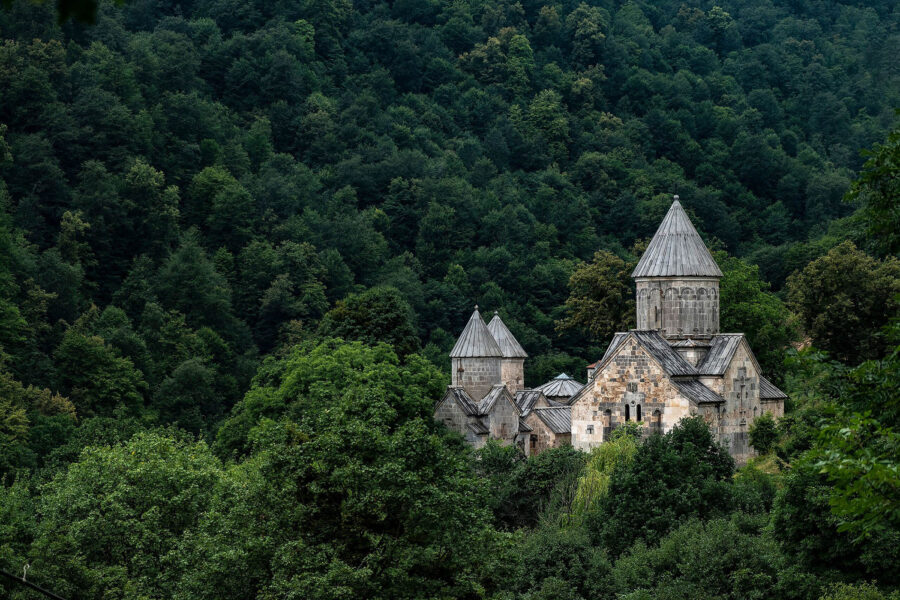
x: 557, y: 418
x: 722, y: 348
x: 475, y: 340
x: 656, y: 345
x: 526, y: 400
x: 618, y: 338
x: 524, y: 427
x: 676, y: 250
x: 497, y: 392
x: 468, y: 406
x: 505, y: 339
x: 768, y: 391
x: 478, y: 427
x: 561, y: 386
x: 696, y: 391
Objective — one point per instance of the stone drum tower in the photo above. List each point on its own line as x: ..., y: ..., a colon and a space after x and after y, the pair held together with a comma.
x: 677, y: 283
x: 476, y: 358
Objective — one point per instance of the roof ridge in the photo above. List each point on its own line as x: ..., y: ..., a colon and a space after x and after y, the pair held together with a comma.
x: 676, y: 250
x: 509, y: 345
x: 476, y: 340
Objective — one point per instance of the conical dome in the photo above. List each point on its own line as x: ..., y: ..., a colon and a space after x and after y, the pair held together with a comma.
x: 561, y: 386
x: 676, y: 250
x: 508, y: 343
x: 476, y: 341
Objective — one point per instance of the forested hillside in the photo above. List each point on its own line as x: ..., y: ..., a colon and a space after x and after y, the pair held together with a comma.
x: 200, y: 199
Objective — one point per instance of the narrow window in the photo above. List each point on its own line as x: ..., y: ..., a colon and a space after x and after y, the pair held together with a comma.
x: 590, y: 430
x: 533, y: 441
x: 638, y: 413
x: 627, y: 413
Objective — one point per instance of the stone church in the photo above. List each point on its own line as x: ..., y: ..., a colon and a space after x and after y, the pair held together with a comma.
x: 675, y: 364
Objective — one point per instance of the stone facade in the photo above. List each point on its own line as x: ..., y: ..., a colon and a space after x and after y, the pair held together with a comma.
x: 502, y: 420
x: 678, y: 307
x: 476, y: 375
x: 739, y: 386
x: 512, y: 374
x: 541, y: 437
x: 631, y: 386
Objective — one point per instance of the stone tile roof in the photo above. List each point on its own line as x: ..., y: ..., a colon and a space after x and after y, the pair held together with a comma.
x: 488, y: 402
x: 526, y: 400
x: 557, y: 418
x: 618, y: 338
x: 676, y: 250
x: 696, y: 391
x: 673, y: 363
x: 524, y: 427
x: 508, y: 343
x: 561, y: 386
x: 476, y: 341
x: 722, y: 349
x: 478, y: 428
x: 469, y: 406
x: 768, y: 391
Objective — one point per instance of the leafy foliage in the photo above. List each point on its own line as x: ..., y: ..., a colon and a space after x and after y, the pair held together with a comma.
x: 198, y: 199
x: 848, y: 287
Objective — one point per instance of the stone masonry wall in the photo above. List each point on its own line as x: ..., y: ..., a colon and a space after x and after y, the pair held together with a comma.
x: 776, y: 407
x: 512, y: 374
x: 451, y: 414
x: 503, y: 421
x: 476, y: 375
x: 680, y: 307
x: 740, y: 388
x: 631, y: 377
x: 541, y: 437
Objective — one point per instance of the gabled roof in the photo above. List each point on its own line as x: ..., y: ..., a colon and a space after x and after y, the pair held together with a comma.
x: 509, y: 346
x: 497, y: 392
x: 476, y: 341
x: 722, y: 349
x: 671, y: 361
x: 557, y: 418
x: 561, y: 386
x: 526, y: 400
x: 676, y: 250
x: 696, y: 391
x: 524, y: 427
x: 468, y: 406
x: 477, y: 427
x: 768, y: 391
x: 656, y: 346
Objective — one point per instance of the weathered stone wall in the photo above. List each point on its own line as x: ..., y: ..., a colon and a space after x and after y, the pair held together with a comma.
x: 776, y: 407
x: 451, y: 414
x: 503, y: 421
x: 541, y: 437
x: 681, y: 307
x: 630, y: 378
x: 739, y: 386
x: 476, y: 375
x: 512, y: 373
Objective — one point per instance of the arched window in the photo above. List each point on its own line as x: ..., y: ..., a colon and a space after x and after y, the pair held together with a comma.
x: 627, y: 413
x: 637, y: 414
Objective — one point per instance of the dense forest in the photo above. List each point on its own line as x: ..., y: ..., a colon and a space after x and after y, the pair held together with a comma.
x: 238, y: 237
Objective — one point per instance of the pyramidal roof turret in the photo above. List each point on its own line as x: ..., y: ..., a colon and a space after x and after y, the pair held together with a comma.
x: 475, y: 340
x: 508, y: 343
x: 676, y: 250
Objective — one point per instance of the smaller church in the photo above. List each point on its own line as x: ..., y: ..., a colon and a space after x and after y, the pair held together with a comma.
x: 487, y: 398
x: 675, y: 364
